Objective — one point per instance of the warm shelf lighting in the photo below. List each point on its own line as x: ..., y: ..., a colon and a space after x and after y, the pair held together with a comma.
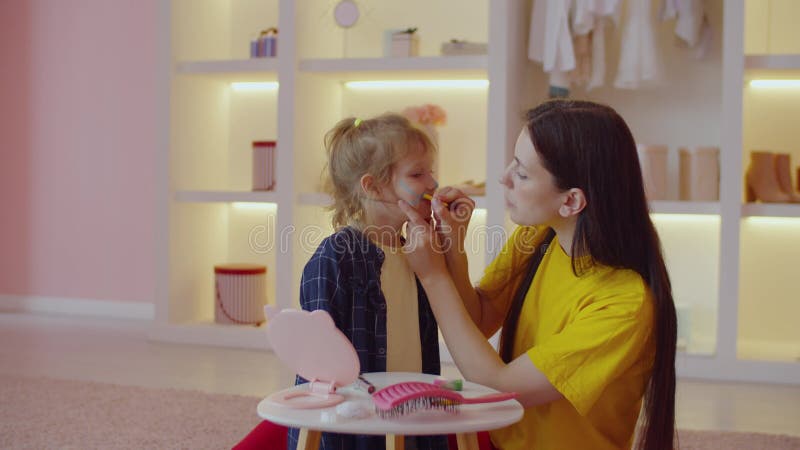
x: 685, y: 218
x: 255, y: 86
x: 255, y: 205
x: 788, y: 222
x: 417, y: 84
x: 775, y: 83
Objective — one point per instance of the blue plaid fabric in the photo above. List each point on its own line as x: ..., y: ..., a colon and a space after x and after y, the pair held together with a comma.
x: 343, y: 277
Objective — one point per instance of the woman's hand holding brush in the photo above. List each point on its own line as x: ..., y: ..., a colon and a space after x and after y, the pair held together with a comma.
x: 452, y: 210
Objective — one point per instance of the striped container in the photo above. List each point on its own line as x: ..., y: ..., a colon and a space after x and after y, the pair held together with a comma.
x: 264, y: 165
x: 240, y: 293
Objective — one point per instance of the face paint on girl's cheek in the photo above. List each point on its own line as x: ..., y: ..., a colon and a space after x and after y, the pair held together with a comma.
x: 417, y: 196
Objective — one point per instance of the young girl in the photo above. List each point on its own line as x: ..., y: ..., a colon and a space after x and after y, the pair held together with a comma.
x: 580, y: 289
x: 359, y: 274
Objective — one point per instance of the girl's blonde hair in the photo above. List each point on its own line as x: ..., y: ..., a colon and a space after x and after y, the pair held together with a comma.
x: 357, y: 147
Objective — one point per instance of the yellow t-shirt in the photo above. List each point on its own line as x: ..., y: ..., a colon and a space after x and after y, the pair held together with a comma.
x: 589, y: 335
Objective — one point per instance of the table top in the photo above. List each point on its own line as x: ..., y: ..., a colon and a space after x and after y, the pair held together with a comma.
x: 470, y: 418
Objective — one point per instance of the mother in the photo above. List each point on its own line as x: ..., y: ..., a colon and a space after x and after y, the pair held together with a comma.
x: 580, y: 289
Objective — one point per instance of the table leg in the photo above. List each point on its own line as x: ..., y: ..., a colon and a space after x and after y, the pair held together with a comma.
x: 467, y: 441
x: 309, y: 439
x: 395, y: 442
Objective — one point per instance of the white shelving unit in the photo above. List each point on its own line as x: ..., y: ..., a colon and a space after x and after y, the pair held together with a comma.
x: 684, y: 208
x: 768, y: 210
x: 402, y: 68
x: 227, y: 197
x: 208, y: 128
x: 260, y: 69
x: 773, y: 62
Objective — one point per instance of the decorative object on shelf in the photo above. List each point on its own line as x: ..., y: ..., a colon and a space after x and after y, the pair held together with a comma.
x: 346, y: 13
x: 457, y: 47
x: 470, y: 187
x: 241, y: 293
x: 428, y: 117
x: 265, y: 45
x: 653, y: 159
x: 761, y: 179
x: 699, y: 174
x: 264, y: 165
x: 784, y: 173
x: 405, y: 43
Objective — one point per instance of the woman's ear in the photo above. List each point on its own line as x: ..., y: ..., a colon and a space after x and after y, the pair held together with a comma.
x: 368, y: 186
x: 574, y: 202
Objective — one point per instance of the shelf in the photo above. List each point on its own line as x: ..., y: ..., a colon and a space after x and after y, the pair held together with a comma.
x: 212, y: 334
x: 690, y: 208
x: 755, y: 350
x: 320, y: 199
x: 428, y: 67
x: 772, y: 62
x: 771, y: 210
x: 772, y: 66
x: 256, y: 69
x: 226, y: 196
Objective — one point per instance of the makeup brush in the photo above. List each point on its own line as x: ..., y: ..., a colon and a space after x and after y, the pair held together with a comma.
x: 429, y: 197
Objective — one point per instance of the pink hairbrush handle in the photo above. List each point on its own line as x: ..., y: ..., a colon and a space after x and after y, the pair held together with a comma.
x: 490, y: 398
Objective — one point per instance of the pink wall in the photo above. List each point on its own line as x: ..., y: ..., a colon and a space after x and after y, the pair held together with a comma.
x: 77, y: 174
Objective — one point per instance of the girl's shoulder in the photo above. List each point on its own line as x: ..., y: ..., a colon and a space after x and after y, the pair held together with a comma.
x: 345, y: 242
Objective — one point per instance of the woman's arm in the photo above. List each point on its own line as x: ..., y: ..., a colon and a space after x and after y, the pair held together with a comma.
x: 474, y: 356
x: 482, y: 312
x: 452, y: 223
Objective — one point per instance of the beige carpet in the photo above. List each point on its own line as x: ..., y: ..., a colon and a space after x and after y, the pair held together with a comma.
x: 40, y: 413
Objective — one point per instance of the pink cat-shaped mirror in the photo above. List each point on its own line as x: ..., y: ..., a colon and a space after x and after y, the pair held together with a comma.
x: 310, y: 344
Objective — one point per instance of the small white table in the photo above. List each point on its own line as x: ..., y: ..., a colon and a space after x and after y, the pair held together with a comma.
x: 465, y: 425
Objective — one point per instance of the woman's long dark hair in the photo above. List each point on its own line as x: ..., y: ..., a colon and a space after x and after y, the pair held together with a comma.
x: 589, y: 146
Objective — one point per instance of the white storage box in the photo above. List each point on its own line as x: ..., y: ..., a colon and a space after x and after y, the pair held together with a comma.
x: 264, y: 165
x: 241, y: 293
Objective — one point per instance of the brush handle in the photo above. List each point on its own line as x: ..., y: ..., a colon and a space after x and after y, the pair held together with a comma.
x: 490, y: 398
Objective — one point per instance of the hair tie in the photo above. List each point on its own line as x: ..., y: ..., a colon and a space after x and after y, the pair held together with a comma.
x: 357, y: 123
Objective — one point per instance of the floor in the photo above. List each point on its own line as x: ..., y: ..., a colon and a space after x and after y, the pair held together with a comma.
x: 117, y: 351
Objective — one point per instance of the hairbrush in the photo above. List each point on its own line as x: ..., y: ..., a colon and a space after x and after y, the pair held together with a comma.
x: 400, y: 399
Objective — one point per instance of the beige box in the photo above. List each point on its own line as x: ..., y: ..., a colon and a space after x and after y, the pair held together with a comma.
x: 699, y: 174
x: 653, y: 159
x: 405, y: 45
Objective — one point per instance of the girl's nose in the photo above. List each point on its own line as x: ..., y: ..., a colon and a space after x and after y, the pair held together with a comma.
x: 432, y: 183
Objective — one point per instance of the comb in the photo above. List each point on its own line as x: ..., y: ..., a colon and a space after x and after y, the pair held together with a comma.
x: 400, y: 399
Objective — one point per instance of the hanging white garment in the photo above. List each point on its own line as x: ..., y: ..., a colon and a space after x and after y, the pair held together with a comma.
x: 590, y: 17
x: 587, y: 13
x: 692, y: 25
x: 639, y: 64
x: 550, y: 42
